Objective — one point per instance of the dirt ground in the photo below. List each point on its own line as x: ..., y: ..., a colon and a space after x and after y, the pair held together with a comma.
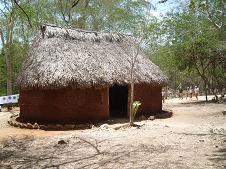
x: 195, y: 137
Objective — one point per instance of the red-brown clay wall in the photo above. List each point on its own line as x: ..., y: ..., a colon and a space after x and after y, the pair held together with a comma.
x: 150, y: 98
x: 64, y: 105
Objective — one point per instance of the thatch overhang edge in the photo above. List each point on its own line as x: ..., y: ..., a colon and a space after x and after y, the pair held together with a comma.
x: 43, y: 52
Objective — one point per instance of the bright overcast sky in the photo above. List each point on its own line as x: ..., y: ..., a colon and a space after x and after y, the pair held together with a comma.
x: 163, y: 8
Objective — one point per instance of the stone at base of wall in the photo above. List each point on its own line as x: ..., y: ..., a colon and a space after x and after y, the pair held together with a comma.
x: 14, y: 121
x: 164, y: 114
x: 17, y: 122
x: 224, y: 112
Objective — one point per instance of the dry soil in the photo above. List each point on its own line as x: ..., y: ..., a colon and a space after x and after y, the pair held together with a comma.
x: 195, y: 137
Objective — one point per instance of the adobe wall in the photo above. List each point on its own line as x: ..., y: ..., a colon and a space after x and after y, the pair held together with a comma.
x: 64, y: 105
x: 150, y: 98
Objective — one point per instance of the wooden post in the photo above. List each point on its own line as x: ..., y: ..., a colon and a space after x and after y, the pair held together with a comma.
x: 131, y: 104
x: 108, y: 97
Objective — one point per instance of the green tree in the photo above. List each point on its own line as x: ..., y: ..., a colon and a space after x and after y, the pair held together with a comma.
x: 16, y: 33
x: 191, y: 44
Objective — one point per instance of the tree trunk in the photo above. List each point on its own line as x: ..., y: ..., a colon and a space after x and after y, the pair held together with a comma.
x: 9, y: 70
x: 8, y: 55
x: 206, y: 93
x: 131, y: 118
x: 133, y: 61
x: 2, y: 38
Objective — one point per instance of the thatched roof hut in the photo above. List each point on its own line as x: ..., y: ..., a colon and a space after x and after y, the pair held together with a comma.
x: 70, y: 59
x: 61, y: 57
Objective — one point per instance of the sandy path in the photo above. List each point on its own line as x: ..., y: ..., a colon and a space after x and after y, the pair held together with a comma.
x: 8, y: 131
x: 195, y: 137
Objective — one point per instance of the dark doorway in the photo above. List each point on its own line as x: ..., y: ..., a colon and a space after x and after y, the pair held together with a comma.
x: 118, y: 101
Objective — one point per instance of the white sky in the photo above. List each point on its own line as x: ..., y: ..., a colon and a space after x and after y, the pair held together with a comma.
x: 163, y: 8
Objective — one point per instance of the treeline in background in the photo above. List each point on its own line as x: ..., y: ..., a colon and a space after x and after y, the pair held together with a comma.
x: 188, y: 42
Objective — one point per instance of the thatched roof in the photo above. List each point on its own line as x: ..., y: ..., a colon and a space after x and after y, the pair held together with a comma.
x: 61, y: 57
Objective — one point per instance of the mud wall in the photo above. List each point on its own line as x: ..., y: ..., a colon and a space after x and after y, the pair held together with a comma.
x: 64, y: 105
x: 150, y: 98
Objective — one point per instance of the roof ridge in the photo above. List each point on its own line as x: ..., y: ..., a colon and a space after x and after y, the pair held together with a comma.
x: 43, y: 26
x: 76, y: 29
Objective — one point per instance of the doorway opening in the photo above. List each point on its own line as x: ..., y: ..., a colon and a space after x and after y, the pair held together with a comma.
x: 118, y: 101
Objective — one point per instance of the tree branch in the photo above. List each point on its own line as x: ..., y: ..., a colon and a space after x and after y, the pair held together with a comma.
x: 206, y: 66
x: 62, y: 12
x: 75, y: 3
x: 6, y: 7
x: 210, y: 17
x: 28, y: 19
x: 2, y: 38
x: 3, y: 13
x: 222, y: 14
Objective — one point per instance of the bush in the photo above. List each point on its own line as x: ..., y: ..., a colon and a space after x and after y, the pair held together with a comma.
x: 136, y: 105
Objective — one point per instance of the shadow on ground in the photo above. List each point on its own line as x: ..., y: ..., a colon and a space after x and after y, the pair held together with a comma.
x: 197, y: 102
x: 219, y: 156
x: 73, y: 152
x: 24, y: 153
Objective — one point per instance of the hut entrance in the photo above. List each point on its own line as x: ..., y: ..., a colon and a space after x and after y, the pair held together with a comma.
x: 118, y: 100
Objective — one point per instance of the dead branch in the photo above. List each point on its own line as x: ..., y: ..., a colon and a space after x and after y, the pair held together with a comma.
x: 3, y: 13
x: 75, y: 3
x: 2, y: 38
x: 28, y: 18
x: 210, y: 16
x: 222, y: 13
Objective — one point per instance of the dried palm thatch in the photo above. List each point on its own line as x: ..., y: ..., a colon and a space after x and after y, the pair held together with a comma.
x: 61, y: 57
